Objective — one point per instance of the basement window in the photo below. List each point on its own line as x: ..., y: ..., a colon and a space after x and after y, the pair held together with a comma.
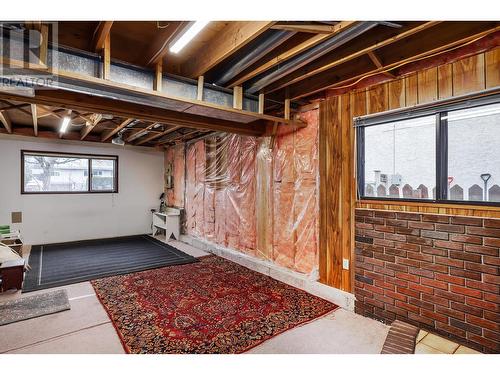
x: 444, y: 153
x: 64, y: 173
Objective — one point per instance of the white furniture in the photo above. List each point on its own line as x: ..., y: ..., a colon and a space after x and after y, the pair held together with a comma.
x: 169, y: 221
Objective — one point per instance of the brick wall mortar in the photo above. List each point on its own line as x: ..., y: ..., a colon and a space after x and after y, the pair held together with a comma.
x: 439, y: 272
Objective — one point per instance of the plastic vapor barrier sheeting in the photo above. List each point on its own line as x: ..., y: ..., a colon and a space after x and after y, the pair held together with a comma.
x: 254, y: 195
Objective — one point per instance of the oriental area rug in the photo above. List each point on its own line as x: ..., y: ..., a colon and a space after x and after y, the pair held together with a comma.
x: 213, y: 306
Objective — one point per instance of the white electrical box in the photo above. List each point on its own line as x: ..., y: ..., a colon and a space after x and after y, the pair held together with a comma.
x: 345, y: 264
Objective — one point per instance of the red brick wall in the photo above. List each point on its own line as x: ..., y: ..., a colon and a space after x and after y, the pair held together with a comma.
x: 436, y: 271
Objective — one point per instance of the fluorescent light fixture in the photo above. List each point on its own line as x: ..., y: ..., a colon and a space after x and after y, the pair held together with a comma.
x: 188, y: 35
x: 65, y: 124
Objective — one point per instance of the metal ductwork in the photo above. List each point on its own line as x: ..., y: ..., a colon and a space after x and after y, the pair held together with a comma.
x: 275, y: 38
x: 311, y: 55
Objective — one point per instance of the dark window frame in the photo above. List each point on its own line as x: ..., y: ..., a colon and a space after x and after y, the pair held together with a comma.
x: 89, y: 157
x: 439, y: 110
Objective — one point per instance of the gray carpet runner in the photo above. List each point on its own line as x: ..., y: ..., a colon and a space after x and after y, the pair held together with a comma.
x: 73, y: 262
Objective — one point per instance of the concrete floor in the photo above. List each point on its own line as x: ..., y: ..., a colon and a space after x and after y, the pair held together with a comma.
x: 86, y: 328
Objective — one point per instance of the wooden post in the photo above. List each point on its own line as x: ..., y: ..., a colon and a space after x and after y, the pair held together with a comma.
x: 287, y: 109
x: 201, y: 84
x: 5, y: 120
x: 261, y: 103
x: 238, y: 97
x: 158, y: 82
x: 44, y: 45
x: 35, y: 119
x: 106, y: 57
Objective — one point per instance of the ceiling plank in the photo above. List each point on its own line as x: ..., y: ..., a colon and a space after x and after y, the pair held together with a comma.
x: 35, y: 119
x: 228, y: 41
x: 106, y: 135
x: 356, y: 54
x: 5, y: 120
x: 157, y: 135
x: 100, y: 34
x: 305, y: 27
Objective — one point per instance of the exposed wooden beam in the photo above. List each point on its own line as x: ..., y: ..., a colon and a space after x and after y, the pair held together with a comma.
x: 106, y: 135
x: 233, y: 37
x: 158, y: 82
x: 49, y: 134
x: 352, y: 56
x: 100, y: 34
x: 157, y: 135
x: 44, y: 45
x: 158, y: 48
x: 287, y: 109
x: 348, y: 80
x: 5, y: 120
x: 106, y: 68
x: 175, y: 137
x: 82, y: 102
x: 90, y: 125
x: 35, y: 119
x: 238, y: 97
x: 261, y: 103
x: 12, y: 106
x: 140, y: 132
x: 376, y: 61
x: 201, y: 85
x: 192, y: 109
x: 305, y: 27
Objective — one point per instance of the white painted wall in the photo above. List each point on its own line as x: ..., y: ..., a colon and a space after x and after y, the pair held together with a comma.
x: 51, y: 218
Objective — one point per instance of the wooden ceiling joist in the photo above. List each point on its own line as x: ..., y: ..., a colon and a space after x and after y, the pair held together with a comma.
x: 141, y: 132
x: 90, y: 125
x: 320, y: 84
x: 34, y: 117
x: 5, y: 120
x: 300, y: 76
x: 233, y: 37
x: 376, y: 61
x: 100, y: 34
x: 157, y: 135
x: 175, y: 137
x: 108, y: 134
x: 305, y: 27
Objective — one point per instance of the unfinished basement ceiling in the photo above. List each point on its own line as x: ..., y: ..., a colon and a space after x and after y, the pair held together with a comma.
x: 299, y: 61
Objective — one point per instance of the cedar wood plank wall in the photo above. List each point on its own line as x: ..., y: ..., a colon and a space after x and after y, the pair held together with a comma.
x: 337, y: 152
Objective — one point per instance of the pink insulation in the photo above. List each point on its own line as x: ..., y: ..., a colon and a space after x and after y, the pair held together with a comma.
x: 190, y: 203
x: 174, y: 156
x: 280, y: 185
x: 233, y: 195
x: 247, y: 195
